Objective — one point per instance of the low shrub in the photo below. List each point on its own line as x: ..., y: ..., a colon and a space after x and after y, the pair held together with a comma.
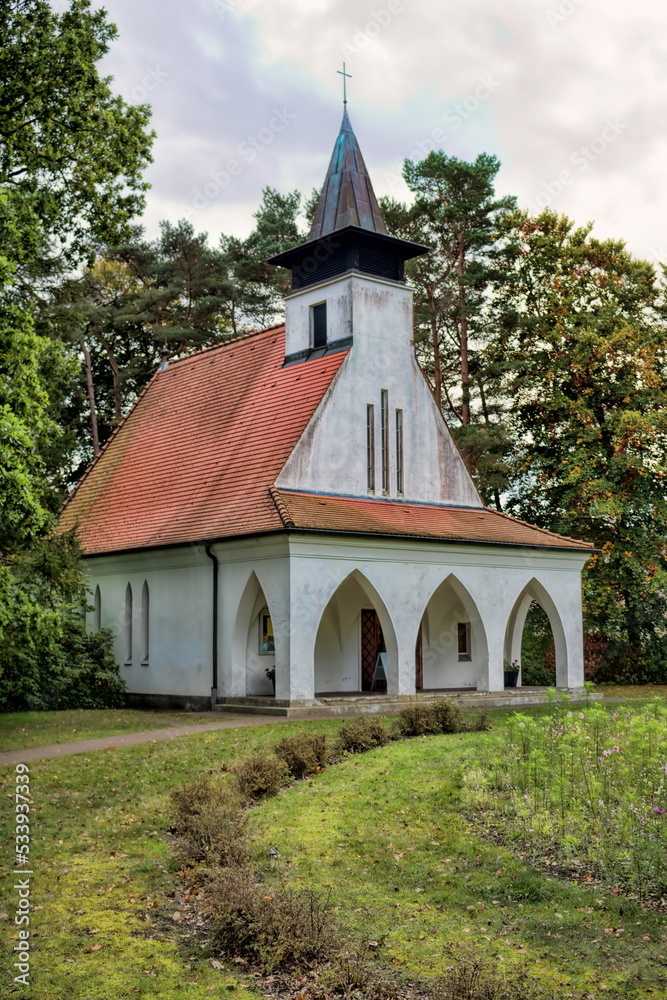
x: 429, y: 718
x: 260, y: 775
x: 362, y: 734
x: 269, y: 926
x: 209, y: 824
x: 450, y: 717
x: 418, y: 719
x: 357, y: 974
x: 304, y: 753
x: 482, y: 723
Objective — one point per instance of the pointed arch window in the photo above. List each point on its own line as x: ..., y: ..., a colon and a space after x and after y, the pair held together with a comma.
x: 145, y: 624
x: 127, y: 631
x: 97, y: 610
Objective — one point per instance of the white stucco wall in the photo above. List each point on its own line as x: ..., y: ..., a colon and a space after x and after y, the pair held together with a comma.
x: 305, y: 581
x: 180, y: 589
x: 331, y: 455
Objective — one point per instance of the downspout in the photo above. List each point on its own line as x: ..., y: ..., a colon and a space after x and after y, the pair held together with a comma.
x: 214, y: 641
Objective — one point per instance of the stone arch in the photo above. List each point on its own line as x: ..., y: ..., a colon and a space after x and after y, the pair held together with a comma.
x: 452, y: 640
x: 536, y: 591
x: 249, y: 660
x: 338, y: 655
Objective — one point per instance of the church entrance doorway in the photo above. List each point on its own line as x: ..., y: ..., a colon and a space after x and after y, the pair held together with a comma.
x: 373, y: 677
x: 355, y: 647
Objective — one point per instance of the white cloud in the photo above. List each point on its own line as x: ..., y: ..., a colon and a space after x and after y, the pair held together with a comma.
x: 562, y: 70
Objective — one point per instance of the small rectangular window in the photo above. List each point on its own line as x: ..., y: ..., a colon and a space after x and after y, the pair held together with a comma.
x: 370, y: 446
x: 320, y: 325
x: 464, y: 640
x: 384, y: 398
x: 267, y: 643
x: 399, y: 451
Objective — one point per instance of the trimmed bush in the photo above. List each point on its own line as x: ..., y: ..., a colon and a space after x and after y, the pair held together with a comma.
x: 210, y: 823
x: 362, y: 734
x: 429, y: 718
x: 260, y: 775
x: 270, y: 926
x: 450, y: 717
x: 304, y: 753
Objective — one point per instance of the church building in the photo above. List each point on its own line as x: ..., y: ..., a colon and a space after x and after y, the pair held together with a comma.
x: 288, y: 510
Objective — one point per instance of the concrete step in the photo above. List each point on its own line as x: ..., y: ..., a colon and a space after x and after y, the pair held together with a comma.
x: 368, y: 704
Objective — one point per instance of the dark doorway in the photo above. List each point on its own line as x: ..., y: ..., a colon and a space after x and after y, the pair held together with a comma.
x: 372, y: 644
x: 419, y: 662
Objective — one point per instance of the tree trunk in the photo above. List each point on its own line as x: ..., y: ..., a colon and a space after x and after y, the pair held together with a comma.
x: 91, y: 397
x: 437, y: 363
x: 115, y: 373
x: 463, y: 330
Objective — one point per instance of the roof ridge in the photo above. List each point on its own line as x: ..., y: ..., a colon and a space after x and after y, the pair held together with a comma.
x: 280, y: 507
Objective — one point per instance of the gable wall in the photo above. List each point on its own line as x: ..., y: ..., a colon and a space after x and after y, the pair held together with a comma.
x: 331, y: 455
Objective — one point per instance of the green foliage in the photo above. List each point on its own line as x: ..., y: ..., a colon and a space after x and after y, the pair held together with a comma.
x: 48, y: 660
x: 260, y: 776
x: 304, y: 753
x: 537, y: 658
x: 457, y: 214
x: 72, y: 152
x: 589, y: 786
x: 587, y: 369
x: 362, y: 734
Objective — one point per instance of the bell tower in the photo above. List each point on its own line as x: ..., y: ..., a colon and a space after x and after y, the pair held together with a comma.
x: 348, y: 239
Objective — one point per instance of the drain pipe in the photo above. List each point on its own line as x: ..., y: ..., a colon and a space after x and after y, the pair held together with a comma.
x: 214, y: 644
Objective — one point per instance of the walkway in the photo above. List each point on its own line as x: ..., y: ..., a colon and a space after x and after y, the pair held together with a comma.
x: 129, y: 739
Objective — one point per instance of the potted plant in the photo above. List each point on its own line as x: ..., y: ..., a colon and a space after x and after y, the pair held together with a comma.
x: 511, y: 672
x: 271, y: 674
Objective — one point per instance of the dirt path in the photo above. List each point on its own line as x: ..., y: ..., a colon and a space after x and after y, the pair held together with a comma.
x: 130, y: 739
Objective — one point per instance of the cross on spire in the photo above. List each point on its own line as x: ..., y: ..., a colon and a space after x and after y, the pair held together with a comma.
x: 346, y: 77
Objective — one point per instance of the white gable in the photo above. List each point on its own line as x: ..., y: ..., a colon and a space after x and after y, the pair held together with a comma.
x: 332, y: 454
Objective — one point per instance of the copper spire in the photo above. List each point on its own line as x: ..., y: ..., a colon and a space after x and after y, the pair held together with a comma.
x: 347, y: 197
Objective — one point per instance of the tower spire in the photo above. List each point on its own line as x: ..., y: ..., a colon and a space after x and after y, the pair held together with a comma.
x: 347, y: 197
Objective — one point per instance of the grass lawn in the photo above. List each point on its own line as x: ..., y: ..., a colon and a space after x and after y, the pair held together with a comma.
x: 21, y: 730
x: 385, y: 832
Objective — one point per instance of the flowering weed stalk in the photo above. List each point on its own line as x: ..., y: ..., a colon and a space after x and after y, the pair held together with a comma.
x: 591, y: 786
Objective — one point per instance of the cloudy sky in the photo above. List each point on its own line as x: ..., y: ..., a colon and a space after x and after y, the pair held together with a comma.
x: 571, y: 95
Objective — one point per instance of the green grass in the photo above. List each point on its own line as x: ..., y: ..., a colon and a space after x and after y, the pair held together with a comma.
x: 386, y: 834
x: 102, y: 862
x: 21, y: 730
x: 374, y: 830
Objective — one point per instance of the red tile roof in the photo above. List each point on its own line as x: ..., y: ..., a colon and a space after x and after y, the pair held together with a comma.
x: 196, y: 455
x: 389, y: 517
